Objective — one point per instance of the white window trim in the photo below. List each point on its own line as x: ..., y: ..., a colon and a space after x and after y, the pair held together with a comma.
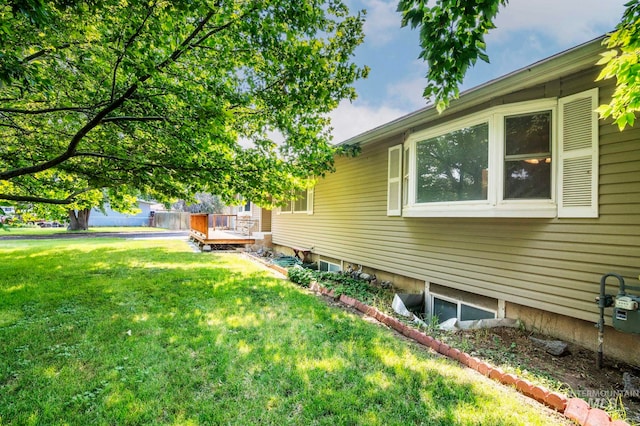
x: 495, y: 205
x: 242, y: 212
x: 405, y: 187
x: 310, y: 195
x: 459, y: 304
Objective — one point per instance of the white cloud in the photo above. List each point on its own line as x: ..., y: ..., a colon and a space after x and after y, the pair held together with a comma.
x: 567, y: 21
x: 531, y: 30
x: 407, y: 91
x: 382, y: 21
x: 351, y: 119
x: 528, y: 30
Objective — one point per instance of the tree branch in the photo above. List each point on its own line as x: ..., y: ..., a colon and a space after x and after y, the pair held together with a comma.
x: 145, y: 165
x: 117, y: 103
x: 183, y: 46
x: 43, y: 52
x: 31, y: 199
x: 42, y: 111
x: 129, y: 118
x: 16, y: 127
x: 215, y: 30
x: 126, y: 46
x: 73, y: 144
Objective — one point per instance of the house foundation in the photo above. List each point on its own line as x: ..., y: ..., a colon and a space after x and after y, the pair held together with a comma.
x: 617, y: 345
x: 580, y: 332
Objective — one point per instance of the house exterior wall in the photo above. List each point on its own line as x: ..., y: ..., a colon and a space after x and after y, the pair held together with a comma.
x: 265, y: 220
x: 549, y: 265
x: 256, y: 216
x: 113, y: 218
x: 262, y: 218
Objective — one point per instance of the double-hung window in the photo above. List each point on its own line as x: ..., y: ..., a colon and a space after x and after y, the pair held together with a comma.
x: 245, y: 208
x: 527, y: 156
x: 301, y: 202
x: 516, y: 160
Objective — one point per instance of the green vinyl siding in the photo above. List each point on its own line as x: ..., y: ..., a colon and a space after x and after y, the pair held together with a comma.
x: 549, y: 264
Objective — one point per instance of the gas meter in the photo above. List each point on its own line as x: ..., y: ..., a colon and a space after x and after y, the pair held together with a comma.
x: 626, y: 315
x: 626, y: 311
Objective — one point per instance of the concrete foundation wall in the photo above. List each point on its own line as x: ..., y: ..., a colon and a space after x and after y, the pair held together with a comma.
x: 584, y: 333
x: 262, y: 240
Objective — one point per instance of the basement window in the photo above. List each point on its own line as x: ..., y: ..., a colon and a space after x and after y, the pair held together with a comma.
x: 445, y: 309
x: 325, y: 266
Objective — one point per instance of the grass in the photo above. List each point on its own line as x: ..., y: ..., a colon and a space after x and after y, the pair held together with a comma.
x: 36, y: 230
x: 147, y: 332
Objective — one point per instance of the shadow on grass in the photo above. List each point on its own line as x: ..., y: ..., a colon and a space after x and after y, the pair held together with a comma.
x: 152, y: 333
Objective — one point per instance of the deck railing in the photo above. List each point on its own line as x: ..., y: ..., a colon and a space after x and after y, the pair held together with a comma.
x: 200, y: 224
x: 225, y: 222
x: 203, y: 223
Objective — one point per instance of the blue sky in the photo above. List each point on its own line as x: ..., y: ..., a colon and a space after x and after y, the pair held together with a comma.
x: 527, y: 31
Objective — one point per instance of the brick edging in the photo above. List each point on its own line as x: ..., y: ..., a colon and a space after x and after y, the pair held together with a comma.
x: 574, y: 409
x: 269, y: 265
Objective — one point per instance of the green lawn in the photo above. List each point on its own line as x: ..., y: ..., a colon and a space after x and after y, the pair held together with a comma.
x: 148, y: 332
x: 36, y: 230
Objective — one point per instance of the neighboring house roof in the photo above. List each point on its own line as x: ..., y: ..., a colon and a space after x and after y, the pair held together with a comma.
x: 569, y: 61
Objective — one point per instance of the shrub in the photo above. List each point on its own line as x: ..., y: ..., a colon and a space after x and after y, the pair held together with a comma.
x: 301, y: 276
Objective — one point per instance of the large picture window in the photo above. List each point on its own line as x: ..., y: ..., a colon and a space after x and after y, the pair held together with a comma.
x: 453, y: 166
x: 528, y: 159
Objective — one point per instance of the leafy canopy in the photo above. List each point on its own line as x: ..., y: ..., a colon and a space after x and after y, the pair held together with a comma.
x: 170, y: 98
x: 622, y: 63
x: 452, y: 39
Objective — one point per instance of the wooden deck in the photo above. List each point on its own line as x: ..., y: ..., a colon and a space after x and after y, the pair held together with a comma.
x: 213, y: 229
x: 222, y: 237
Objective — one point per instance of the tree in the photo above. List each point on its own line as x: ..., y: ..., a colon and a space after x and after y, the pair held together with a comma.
x: 452, y: 39
x: 170, y: 98
x: 77, y: 213
x: 204, y: 203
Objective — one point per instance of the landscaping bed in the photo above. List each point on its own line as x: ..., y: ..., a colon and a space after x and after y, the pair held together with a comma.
x: 510, y: 349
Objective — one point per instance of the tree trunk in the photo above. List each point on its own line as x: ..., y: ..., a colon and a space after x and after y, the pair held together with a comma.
x: 79, y: 220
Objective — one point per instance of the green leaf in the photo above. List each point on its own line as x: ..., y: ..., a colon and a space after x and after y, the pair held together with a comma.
x: 607, y: 57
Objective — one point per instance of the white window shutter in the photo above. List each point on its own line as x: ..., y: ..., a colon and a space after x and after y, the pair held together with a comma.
x: 394, y: 181
x: 578, y: 155
x: 310, y: 192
